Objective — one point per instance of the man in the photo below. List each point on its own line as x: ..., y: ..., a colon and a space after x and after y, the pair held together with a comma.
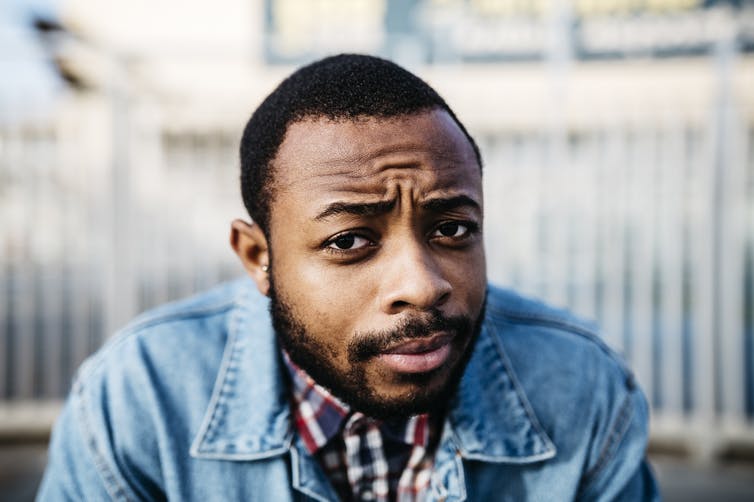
x: 367, y: 359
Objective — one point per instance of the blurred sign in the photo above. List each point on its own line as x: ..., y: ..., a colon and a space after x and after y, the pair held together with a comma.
x: 500, y: 30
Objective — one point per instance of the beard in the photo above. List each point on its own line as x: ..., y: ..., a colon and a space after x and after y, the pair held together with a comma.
x: 352, y: 387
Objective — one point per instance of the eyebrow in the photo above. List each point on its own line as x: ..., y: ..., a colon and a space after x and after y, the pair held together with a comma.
x: 357, y: 209
x: 437, y: 205
x: 443, y: 204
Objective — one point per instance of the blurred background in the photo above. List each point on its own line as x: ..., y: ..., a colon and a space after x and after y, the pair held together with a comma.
x: 618, y: 139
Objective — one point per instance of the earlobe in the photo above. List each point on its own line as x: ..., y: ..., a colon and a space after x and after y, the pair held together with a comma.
x: 250, y: 244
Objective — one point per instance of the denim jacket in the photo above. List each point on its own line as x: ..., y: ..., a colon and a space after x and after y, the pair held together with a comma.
x: 189, y: 403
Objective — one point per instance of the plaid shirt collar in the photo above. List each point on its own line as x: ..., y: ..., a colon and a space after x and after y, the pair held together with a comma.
x: 319, y: 416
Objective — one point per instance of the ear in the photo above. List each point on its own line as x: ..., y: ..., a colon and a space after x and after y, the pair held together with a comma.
x: 250, y: 244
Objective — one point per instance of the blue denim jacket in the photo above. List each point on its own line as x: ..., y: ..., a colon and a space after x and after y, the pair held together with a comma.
x: 189, y: 403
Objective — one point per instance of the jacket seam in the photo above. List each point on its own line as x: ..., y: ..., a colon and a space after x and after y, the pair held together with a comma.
x: 616, y: 435
x: 160, y: 318
x: 139, y: 328
x: 547, y: 320
x: 549, y: 447
x: 218, y: 396
x: 202, y: 445
x: 552, y: 322
x: 114, y: 489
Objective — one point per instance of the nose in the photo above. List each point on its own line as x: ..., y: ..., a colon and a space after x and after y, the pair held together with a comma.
x: 413, y: 280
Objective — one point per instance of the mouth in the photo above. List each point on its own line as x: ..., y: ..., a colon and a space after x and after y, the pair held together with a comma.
x: 418, y: 356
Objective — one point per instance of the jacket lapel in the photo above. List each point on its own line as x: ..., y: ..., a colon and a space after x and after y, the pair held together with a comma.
x: 491, y: 416
x: 248, y: 416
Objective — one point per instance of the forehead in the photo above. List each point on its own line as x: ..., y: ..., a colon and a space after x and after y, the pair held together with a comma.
x: 324, y: 158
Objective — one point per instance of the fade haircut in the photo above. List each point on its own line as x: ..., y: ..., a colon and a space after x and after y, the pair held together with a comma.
x: 343, y: 87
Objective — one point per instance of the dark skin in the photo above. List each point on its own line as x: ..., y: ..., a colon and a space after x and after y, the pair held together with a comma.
x: 375, y: 223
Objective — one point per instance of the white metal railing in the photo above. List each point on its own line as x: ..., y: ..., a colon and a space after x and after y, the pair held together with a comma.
x: 646, y: 225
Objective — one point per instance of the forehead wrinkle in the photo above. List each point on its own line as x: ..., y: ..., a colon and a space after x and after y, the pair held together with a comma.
x: 387, y: 157
x: 419, y: 152
x: 357, y: 161
x: 386, y: 184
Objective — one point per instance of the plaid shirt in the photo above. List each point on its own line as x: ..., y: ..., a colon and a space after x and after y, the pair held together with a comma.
x: 365, y: 459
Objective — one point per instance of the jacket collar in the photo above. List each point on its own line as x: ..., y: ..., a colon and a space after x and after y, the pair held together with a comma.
x: 248, y: 416
x: 490, y: 417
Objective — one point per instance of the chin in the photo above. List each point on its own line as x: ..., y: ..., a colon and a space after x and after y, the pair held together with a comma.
x: 415, y: 402
x: 410, y: 394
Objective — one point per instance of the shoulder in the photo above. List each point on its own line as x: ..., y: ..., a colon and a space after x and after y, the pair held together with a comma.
x: 160, y: 369
x: 178, y: 332
x: 137, y: 403
x: 580, y: 390
x: 568, y: 392
x: 538, y: 337
x: 510, y: 307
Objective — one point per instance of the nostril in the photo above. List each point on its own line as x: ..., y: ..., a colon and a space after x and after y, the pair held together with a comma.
x: 442, y: 299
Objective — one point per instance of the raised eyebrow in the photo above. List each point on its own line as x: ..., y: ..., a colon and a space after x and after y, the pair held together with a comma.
x: 356, y: 208
x: 443, y: 204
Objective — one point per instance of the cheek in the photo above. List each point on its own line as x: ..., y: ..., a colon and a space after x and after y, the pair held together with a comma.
x: 325, y: 307
x: 468, y: 276
x: 333, y: 295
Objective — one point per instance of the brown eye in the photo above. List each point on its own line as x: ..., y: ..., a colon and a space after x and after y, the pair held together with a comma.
x: 451, y: 229
x: 348, y: 242
x: 345, y: 241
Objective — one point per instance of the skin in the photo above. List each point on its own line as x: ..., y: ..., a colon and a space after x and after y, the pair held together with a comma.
x: 361, y: 256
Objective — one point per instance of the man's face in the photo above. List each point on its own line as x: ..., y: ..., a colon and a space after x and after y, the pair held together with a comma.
x: 378, y: 268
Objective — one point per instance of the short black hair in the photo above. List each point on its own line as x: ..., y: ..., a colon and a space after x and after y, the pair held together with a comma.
x: 347, y: 86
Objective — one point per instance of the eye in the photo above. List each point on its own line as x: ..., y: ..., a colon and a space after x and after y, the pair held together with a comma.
x: 348, y: 242
x: 452, y: 229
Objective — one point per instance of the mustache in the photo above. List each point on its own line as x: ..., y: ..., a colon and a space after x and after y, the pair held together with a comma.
x: 368, y: 344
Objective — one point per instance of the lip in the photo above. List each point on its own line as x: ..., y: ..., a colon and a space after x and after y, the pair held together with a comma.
x: 418, y: 356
